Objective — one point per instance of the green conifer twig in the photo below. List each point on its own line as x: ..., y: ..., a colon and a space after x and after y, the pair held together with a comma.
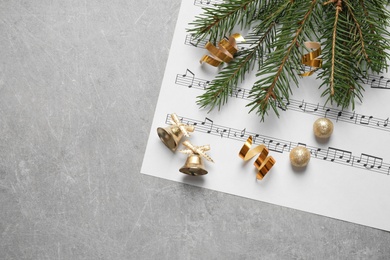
x: 223, y: 85
x: 353, y: 35
x: 269, y: 91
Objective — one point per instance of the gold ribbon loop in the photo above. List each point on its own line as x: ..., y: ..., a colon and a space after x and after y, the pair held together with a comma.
x: 221, y: 54
x: 225, y: 51
x: 263, y: 162
x: 310, y: 59
x: 210, y: 60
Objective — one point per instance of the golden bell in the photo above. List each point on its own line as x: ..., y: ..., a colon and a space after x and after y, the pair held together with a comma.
x: 170, y: 136
x: 193, y: 166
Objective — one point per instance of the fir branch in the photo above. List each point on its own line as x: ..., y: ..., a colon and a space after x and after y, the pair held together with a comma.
x: 269, y: 91
x: 359, y: 29
x: 276, y: 11
x: 334, y: 34
x: 219, y: 89
x: 219, y: 21
x: 341, y: 69
x: 365, y: 12
x: 374, y: 19
x: 353, y: 35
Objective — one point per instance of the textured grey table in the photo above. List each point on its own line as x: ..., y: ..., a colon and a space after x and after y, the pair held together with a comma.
x: 79, y: 81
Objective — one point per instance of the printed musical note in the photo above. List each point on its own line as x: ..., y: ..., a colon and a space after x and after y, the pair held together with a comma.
x: 315, y: 152
x: 191, y: 77
x: 365, y: 120
x: 353, y: 116
x: 365, y: 79
x: 277, y: 145
x: 190, y: 40
x: 351, y: 136
x: 339, y: 114
x: 254, y: 138
x: 332, y: 155
x: 240, y: 134
x: 238, y: 92
x: 311, y: 108
x: 375, y: 83
x: 207, y: 3
x: 303, y: 106
x: 369, y: 161
x: 221, y: 132
x: 282, y: 107
x: 387, y: 83
x: 326, y: 112
x: 269, y: 143
x: 280, y: 147
x: 300, y: 106
x: 210, y: 124
x: 203, y: 84
x: 188, y: 79
x: 386, y: 122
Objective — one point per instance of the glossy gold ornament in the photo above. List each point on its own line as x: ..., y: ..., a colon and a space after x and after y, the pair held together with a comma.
x: 225, y: 51
x: 172, y: 135
x: 299, y: 156
x: 263, y: 162
x: 323, y: 128
x: 194, y: 165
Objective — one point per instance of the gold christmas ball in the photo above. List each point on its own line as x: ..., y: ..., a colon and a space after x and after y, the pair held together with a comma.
x: 299, y: 156
x: 323, y: 128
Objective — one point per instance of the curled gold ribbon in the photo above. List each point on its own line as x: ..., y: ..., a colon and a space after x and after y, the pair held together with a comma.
x: 225, y: 51
x: 263, y: 162
x: 197, y: 150
x: 310, y: 59
x: 183, y: 127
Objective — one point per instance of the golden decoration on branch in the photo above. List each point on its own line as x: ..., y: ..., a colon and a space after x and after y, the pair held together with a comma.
x: 194, y: 165
x: 263, y: 162
x: 310, y: 59
x: 172, y: 134
x: 225, y: 51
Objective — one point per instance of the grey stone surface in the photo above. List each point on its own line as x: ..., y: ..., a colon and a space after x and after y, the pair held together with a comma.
x: 79, y: 81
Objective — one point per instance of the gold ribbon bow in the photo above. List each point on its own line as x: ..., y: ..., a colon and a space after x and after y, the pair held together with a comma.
x: 183, y: 127
x: 310, y: 59
x: 263, y: 163
x: 225, y: 51
x: 200, y: 150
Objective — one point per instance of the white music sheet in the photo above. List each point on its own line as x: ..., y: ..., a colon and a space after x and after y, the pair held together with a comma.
x: 348, y: 175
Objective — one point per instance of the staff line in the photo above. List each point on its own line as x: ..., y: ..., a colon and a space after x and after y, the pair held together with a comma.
x: 189, y: 80
x: 330, y: 154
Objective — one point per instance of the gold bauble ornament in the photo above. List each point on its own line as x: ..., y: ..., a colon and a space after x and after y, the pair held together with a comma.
x: 323, y: 128
x: 299, y: 156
